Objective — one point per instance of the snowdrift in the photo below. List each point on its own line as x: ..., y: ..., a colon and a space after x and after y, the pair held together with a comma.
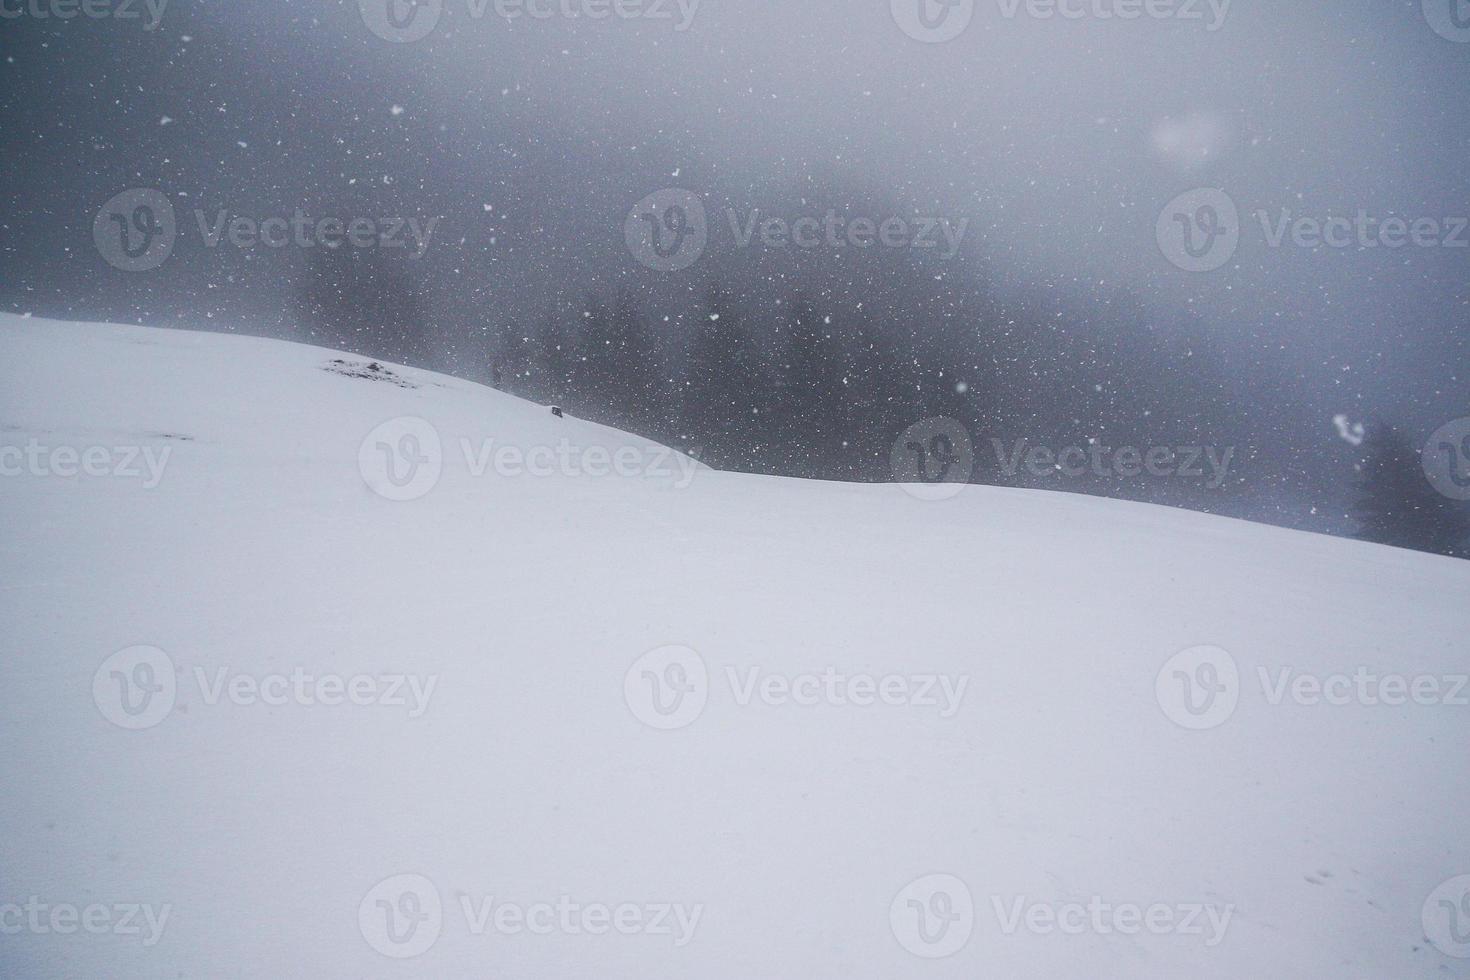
x: 321, y: 667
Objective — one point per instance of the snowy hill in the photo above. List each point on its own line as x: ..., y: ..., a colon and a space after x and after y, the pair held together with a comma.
x: 268, y: 648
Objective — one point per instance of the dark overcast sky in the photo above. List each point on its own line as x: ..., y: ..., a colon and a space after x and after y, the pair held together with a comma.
x: 1059, y: 140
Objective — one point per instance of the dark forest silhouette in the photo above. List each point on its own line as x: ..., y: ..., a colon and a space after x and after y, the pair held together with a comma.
x: 818, y: 379
x: 1399, y: 506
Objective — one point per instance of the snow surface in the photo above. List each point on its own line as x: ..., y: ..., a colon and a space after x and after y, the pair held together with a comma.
x: 529, y: 776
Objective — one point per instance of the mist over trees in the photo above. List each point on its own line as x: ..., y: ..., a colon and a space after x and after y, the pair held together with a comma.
x: 814, y: 369
x: 812, y: 365
x: 356, y: 300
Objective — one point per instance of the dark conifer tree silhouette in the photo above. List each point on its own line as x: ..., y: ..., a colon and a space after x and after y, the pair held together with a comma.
x: 1399, y: 506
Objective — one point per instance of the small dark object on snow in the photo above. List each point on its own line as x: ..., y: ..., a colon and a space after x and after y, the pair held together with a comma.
x: 371, y: 371
x: 556, y: 411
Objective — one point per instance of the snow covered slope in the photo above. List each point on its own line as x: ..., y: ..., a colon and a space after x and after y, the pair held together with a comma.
x: 289, y: 693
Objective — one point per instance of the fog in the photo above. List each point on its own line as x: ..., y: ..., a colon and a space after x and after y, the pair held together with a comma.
x: 1054, y: 142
